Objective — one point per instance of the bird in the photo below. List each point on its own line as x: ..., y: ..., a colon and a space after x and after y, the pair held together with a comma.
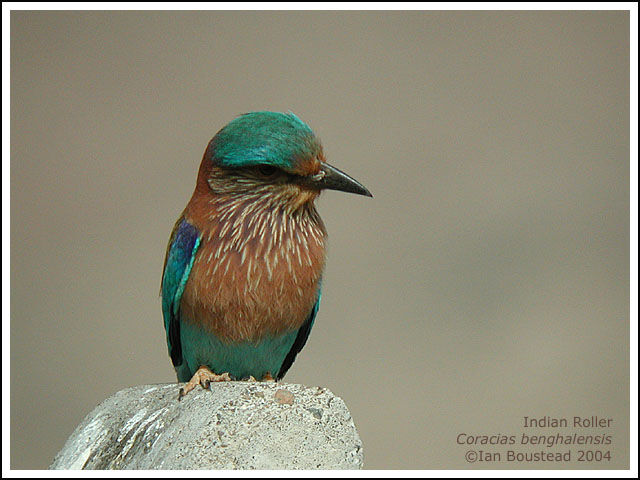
x: 242, y: 276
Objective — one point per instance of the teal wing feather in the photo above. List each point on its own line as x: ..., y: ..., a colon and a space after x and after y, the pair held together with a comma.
x: 301, y: 338
x: 181, y: 252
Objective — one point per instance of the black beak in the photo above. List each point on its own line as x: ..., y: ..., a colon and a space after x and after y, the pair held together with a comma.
x: 331, y: 178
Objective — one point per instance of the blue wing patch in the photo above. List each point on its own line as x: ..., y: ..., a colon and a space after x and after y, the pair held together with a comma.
x: 181, y: 253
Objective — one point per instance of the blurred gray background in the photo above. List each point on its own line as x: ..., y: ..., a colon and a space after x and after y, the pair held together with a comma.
x: 487, y: 280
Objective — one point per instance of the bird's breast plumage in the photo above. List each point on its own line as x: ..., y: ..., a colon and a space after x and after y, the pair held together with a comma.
x: 257, y: 271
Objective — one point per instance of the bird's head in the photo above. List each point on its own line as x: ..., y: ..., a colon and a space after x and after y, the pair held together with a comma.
x: 274, y: 156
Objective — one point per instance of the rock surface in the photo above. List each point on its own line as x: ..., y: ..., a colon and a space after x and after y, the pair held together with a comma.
x: 235, y: 425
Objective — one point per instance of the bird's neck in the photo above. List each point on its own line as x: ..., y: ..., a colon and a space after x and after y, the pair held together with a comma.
x: 260, y: 222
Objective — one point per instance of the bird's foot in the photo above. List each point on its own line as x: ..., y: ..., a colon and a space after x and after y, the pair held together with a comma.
x: 203, y: 377
x: 265, y: 378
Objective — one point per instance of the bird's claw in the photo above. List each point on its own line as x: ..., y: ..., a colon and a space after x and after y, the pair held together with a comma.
x: 203, y: 377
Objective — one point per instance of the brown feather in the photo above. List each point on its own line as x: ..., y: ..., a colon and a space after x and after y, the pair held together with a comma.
x: 257, y: 270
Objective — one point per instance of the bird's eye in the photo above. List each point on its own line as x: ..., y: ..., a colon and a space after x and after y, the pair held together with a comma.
x: 267, y: 170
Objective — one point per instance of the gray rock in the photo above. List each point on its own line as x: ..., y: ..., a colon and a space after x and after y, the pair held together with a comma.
x: 235, y: 425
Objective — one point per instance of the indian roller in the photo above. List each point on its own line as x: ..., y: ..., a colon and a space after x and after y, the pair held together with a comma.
x: 242, y: 276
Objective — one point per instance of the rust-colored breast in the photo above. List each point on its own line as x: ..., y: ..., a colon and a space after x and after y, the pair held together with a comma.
x: 257, y: 270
